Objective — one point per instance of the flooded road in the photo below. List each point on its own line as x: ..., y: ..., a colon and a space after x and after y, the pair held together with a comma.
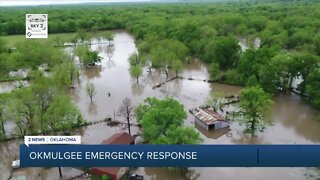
x: 293, y: 121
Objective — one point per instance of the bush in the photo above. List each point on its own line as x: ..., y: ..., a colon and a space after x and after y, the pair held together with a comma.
x: 232, y: 76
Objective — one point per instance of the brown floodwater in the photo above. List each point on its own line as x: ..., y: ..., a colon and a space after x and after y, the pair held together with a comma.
x: 292, y: 121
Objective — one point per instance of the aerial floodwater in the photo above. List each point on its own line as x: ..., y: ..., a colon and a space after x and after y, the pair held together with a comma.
x: 293, y: 121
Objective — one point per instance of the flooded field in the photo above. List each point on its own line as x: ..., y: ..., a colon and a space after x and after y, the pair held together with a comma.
x: 292, y: 120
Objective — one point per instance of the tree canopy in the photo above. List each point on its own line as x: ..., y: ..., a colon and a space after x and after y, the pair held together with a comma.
x: 254, y: 104
x: 161, y: 122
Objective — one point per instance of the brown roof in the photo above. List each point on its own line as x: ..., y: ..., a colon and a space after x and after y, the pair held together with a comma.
x: 105, y: 170
x: 208, y: 116
x: 119, y: 138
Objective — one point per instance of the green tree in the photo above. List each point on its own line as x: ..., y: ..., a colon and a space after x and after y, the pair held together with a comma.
x: 254, y: 103
x: 225, y: 51
x: 302, y: 65
x: 62, y: 114
x: 86, y: 56
x: 252, y: 61
x: 252, y: 81
x: 180, y: 135
x: 136, y: 72
x: 91, y: 90
x: 82, y: 35
x: 214, y: 71
x: 22, y: 109
x: 215, y: 101
x: 313, y: 85
x: 165, y: 52
x: 177, y: 66
x: 161, y: 122
x: 109, y: 36
x: 135, y: 59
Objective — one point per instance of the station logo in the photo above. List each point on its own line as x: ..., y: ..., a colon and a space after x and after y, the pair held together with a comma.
x: 36, y: 25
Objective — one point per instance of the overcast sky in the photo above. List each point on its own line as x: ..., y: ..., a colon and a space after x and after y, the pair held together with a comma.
x: 45, y: 2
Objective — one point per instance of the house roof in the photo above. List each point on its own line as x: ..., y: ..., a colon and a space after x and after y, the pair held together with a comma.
x: 105, y: 170
x: 208, y: 116
x: 119, y: 138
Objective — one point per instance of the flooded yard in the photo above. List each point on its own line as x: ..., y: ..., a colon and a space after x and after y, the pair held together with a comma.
x: 292, y: 120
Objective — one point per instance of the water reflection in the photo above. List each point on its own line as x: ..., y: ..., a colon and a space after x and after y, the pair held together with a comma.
x: 137, y: 89
x: 92, y: 108
x: 109, y: 50
x: 214, y: 134
x: 93, y: 72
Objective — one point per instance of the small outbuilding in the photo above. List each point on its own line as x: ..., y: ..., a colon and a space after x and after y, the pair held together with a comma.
x: 209, y: 119
x: 114, y: 173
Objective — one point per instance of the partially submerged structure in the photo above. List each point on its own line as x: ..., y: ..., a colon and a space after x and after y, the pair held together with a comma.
x: 114, y: 173
x: 216, y: 134
x: 209, y: 119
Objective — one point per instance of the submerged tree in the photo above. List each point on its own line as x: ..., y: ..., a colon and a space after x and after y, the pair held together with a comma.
x: 126, y: 111
x: 91, y: 90
x: 86, y: 56
x: 254, y: 104
x: 215, y: 101
x: 177, y: 66
x: 22, y: 108
x: 62, y: 114
x: 109, y: 36
x: 82, y: 35
x: 135, y: 59
x: 136, y: 72
x: 313, y: 87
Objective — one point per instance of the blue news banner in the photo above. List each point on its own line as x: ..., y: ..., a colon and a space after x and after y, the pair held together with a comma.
x: 170, y: 155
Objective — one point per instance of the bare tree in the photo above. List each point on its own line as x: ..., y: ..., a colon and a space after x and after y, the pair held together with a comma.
x: 91, y: 90
x: 126, y: 111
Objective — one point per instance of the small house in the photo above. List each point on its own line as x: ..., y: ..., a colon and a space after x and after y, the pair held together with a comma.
x: 209, y: 119
x: 114, y: 173
x: 216, y: 134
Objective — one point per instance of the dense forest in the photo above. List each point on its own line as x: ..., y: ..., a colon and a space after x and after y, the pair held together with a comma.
x: 168, y: 35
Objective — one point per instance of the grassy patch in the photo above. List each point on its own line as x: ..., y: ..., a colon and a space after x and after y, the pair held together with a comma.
x: 12, y: 40
x: 14, y: 79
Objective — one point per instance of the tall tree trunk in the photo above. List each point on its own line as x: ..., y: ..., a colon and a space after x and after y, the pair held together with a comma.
x: 129, y: 128
x: 253, y: 126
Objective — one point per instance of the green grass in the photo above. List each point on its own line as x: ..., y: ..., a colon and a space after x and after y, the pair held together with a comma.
x: 12, y: 40
x: 14, y: 79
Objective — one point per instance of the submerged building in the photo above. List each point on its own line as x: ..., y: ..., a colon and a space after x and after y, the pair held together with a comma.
x: 209, y: 119
x: 114, y: 173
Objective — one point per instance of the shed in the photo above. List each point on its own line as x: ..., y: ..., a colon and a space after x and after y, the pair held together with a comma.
x: 209, y: 119
x: 114, y: 173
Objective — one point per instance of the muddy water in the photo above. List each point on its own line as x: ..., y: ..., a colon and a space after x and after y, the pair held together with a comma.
x: 293, y: 121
